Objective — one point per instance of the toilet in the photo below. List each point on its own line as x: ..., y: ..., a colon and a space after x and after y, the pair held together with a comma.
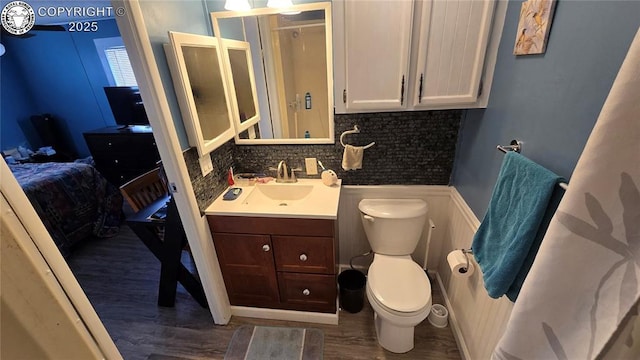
x: 397, y: 288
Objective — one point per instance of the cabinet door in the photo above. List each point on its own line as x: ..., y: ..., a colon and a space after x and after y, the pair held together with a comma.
x: 198, y: 79
x: 377, y: 47
x: 453, y: 40
x: 248, y: 270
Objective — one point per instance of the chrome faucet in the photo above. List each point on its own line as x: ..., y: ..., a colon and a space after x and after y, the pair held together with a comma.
x: 282, y: 173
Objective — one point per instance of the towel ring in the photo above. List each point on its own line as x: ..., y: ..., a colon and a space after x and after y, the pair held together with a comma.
x: 356, y: 130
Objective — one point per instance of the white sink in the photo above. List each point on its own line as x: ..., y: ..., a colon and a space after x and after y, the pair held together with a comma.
x: 307, y: 198
x: 278, y: 194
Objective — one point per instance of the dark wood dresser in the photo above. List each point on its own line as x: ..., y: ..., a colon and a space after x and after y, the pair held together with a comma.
x: 122, y: 154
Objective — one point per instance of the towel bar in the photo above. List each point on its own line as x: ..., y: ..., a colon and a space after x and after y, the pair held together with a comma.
x: 516, y: 145
x: 356, y: 129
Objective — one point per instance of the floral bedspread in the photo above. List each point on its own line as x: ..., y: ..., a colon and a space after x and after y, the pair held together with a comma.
x: 73, y: 200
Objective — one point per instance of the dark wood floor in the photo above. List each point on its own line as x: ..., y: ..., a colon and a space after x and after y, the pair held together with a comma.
x: 120, y: 277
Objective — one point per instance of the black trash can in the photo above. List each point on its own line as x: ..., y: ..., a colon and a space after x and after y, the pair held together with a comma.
x: 351, y: 284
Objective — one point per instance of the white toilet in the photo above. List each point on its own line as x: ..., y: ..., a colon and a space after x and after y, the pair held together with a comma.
x: 398, y: 289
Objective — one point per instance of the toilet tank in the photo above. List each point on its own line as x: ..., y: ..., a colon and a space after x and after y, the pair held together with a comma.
x: 393, y: 226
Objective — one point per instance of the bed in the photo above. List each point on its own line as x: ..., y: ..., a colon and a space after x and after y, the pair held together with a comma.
x: 74, y: 201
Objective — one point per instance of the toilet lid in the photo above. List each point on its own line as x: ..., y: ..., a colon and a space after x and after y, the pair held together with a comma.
x: 393, y: 208
x: 399, y: 283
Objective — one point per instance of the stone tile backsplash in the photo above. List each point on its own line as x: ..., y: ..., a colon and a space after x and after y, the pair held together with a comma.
x: 208, y: 188
x: 412, y: 148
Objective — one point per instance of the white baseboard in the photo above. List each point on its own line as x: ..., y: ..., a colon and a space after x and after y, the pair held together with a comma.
x: 287, y: 315
x: 453, y: 321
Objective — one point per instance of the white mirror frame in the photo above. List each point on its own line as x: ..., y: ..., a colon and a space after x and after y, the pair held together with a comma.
x: 326, y: 6
x: 226, y: 45
x: 182, y: 87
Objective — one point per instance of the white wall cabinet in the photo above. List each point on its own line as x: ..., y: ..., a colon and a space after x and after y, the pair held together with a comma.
x: 415, y: 55
x: 378, y: 44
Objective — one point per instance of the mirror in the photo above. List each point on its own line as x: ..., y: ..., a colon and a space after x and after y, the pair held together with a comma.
x: 201, y: 89
x: 244, y: 101
x: 293, y: 72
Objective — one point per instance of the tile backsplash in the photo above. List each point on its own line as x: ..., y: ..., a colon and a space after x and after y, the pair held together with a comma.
x: 208, y: 188
x: 412, y: 148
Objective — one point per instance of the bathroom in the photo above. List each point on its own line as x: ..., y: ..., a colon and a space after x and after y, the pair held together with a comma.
x: 446, y: 157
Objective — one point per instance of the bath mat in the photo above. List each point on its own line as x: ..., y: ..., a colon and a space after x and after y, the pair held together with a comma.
x: 275, y: 343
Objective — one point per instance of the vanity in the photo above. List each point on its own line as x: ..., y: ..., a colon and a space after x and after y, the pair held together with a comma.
x: 277, y: 245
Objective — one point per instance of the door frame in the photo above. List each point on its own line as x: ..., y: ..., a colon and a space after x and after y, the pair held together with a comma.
x: 137, y: 42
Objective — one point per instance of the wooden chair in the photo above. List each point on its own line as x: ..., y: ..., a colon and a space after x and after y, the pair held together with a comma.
x: 145, y: 189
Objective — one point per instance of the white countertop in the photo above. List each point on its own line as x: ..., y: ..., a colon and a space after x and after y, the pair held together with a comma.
x: 320, y: 203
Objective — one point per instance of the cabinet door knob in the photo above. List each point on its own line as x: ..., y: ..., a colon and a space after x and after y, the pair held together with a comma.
x: 116, y: 161
x: 306, y: 292
x: 265, y: 248
x: 109, y: 143
x: 303, y: 257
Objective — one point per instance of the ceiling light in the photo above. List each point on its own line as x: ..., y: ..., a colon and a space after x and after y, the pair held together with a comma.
x: 2, y: 50
x: 237, y: 5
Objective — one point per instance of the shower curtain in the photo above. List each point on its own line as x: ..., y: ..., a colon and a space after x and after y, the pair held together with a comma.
x: 581, y: 295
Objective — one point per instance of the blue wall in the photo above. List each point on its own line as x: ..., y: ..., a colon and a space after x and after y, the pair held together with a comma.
x: 63, y: 76
x: 550, y: 101
x: 16, y: 105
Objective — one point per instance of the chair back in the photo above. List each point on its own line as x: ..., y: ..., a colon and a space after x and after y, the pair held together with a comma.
x: 145, y: 189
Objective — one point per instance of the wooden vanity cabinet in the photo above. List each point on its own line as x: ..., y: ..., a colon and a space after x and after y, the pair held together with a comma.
x: 247, y: 268
x: 278, y: 263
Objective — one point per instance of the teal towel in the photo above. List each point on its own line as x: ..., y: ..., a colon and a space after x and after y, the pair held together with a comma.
x: 504, y: 243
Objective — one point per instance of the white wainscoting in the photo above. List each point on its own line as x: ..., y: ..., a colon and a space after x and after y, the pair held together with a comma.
x: 477, y: 320
x: 353, y: 240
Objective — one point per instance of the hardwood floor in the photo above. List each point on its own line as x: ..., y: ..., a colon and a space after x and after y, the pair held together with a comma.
x: 120, y: 278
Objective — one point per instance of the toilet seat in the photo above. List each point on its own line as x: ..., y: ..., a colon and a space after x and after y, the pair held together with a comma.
x: 399, y: 285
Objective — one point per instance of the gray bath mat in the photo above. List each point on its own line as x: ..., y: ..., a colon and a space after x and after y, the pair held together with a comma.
x: 275, y: 343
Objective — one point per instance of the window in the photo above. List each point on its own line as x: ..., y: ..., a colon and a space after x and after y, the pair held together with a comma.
x: 115, y: 61
x: 120, y: 66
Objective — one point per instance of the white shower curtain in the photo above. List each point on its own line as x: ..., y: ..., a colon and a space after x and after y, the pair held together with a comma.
x: 584, y: 285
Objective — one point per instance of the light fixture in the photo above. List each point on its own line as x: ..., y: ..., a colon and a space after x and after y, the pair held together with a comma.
x: 282, y: 4
x: 237, y: 5
x: 2, y: 50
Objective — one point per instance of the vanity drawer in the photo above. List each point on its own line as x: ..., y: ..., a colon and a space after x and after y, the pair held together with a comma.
x: 304, y: 254
x: 273, y: 226
x: 309, y: 292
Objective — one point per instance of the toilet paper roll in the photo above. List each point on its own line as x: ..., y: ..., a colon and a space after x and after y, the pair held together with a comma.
x: 458, y: 262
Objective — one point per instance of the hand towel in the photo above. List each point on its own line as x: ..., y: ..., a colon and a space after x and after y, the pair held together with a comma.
x: 518, y: 204
x: 352, y: 157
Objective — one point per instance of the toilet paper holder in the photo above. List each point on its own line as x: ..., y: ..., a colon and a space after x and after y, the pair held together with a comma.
x: 466, y: 253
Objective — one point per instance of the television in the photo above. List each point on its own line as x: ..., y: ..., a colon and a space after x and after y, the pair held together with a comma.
x: 126, y: 105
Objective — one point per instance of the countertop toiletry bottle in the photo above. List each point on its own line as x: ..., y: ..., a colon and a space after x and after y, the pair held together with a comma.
x: 230, y: 177
x: 306, y: 134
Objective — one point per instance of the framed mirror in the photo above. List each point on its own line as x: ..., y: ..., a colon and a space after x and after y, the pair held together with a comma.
x: 293, y: 71
x: 242, y: 88
x: 201, y: 89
